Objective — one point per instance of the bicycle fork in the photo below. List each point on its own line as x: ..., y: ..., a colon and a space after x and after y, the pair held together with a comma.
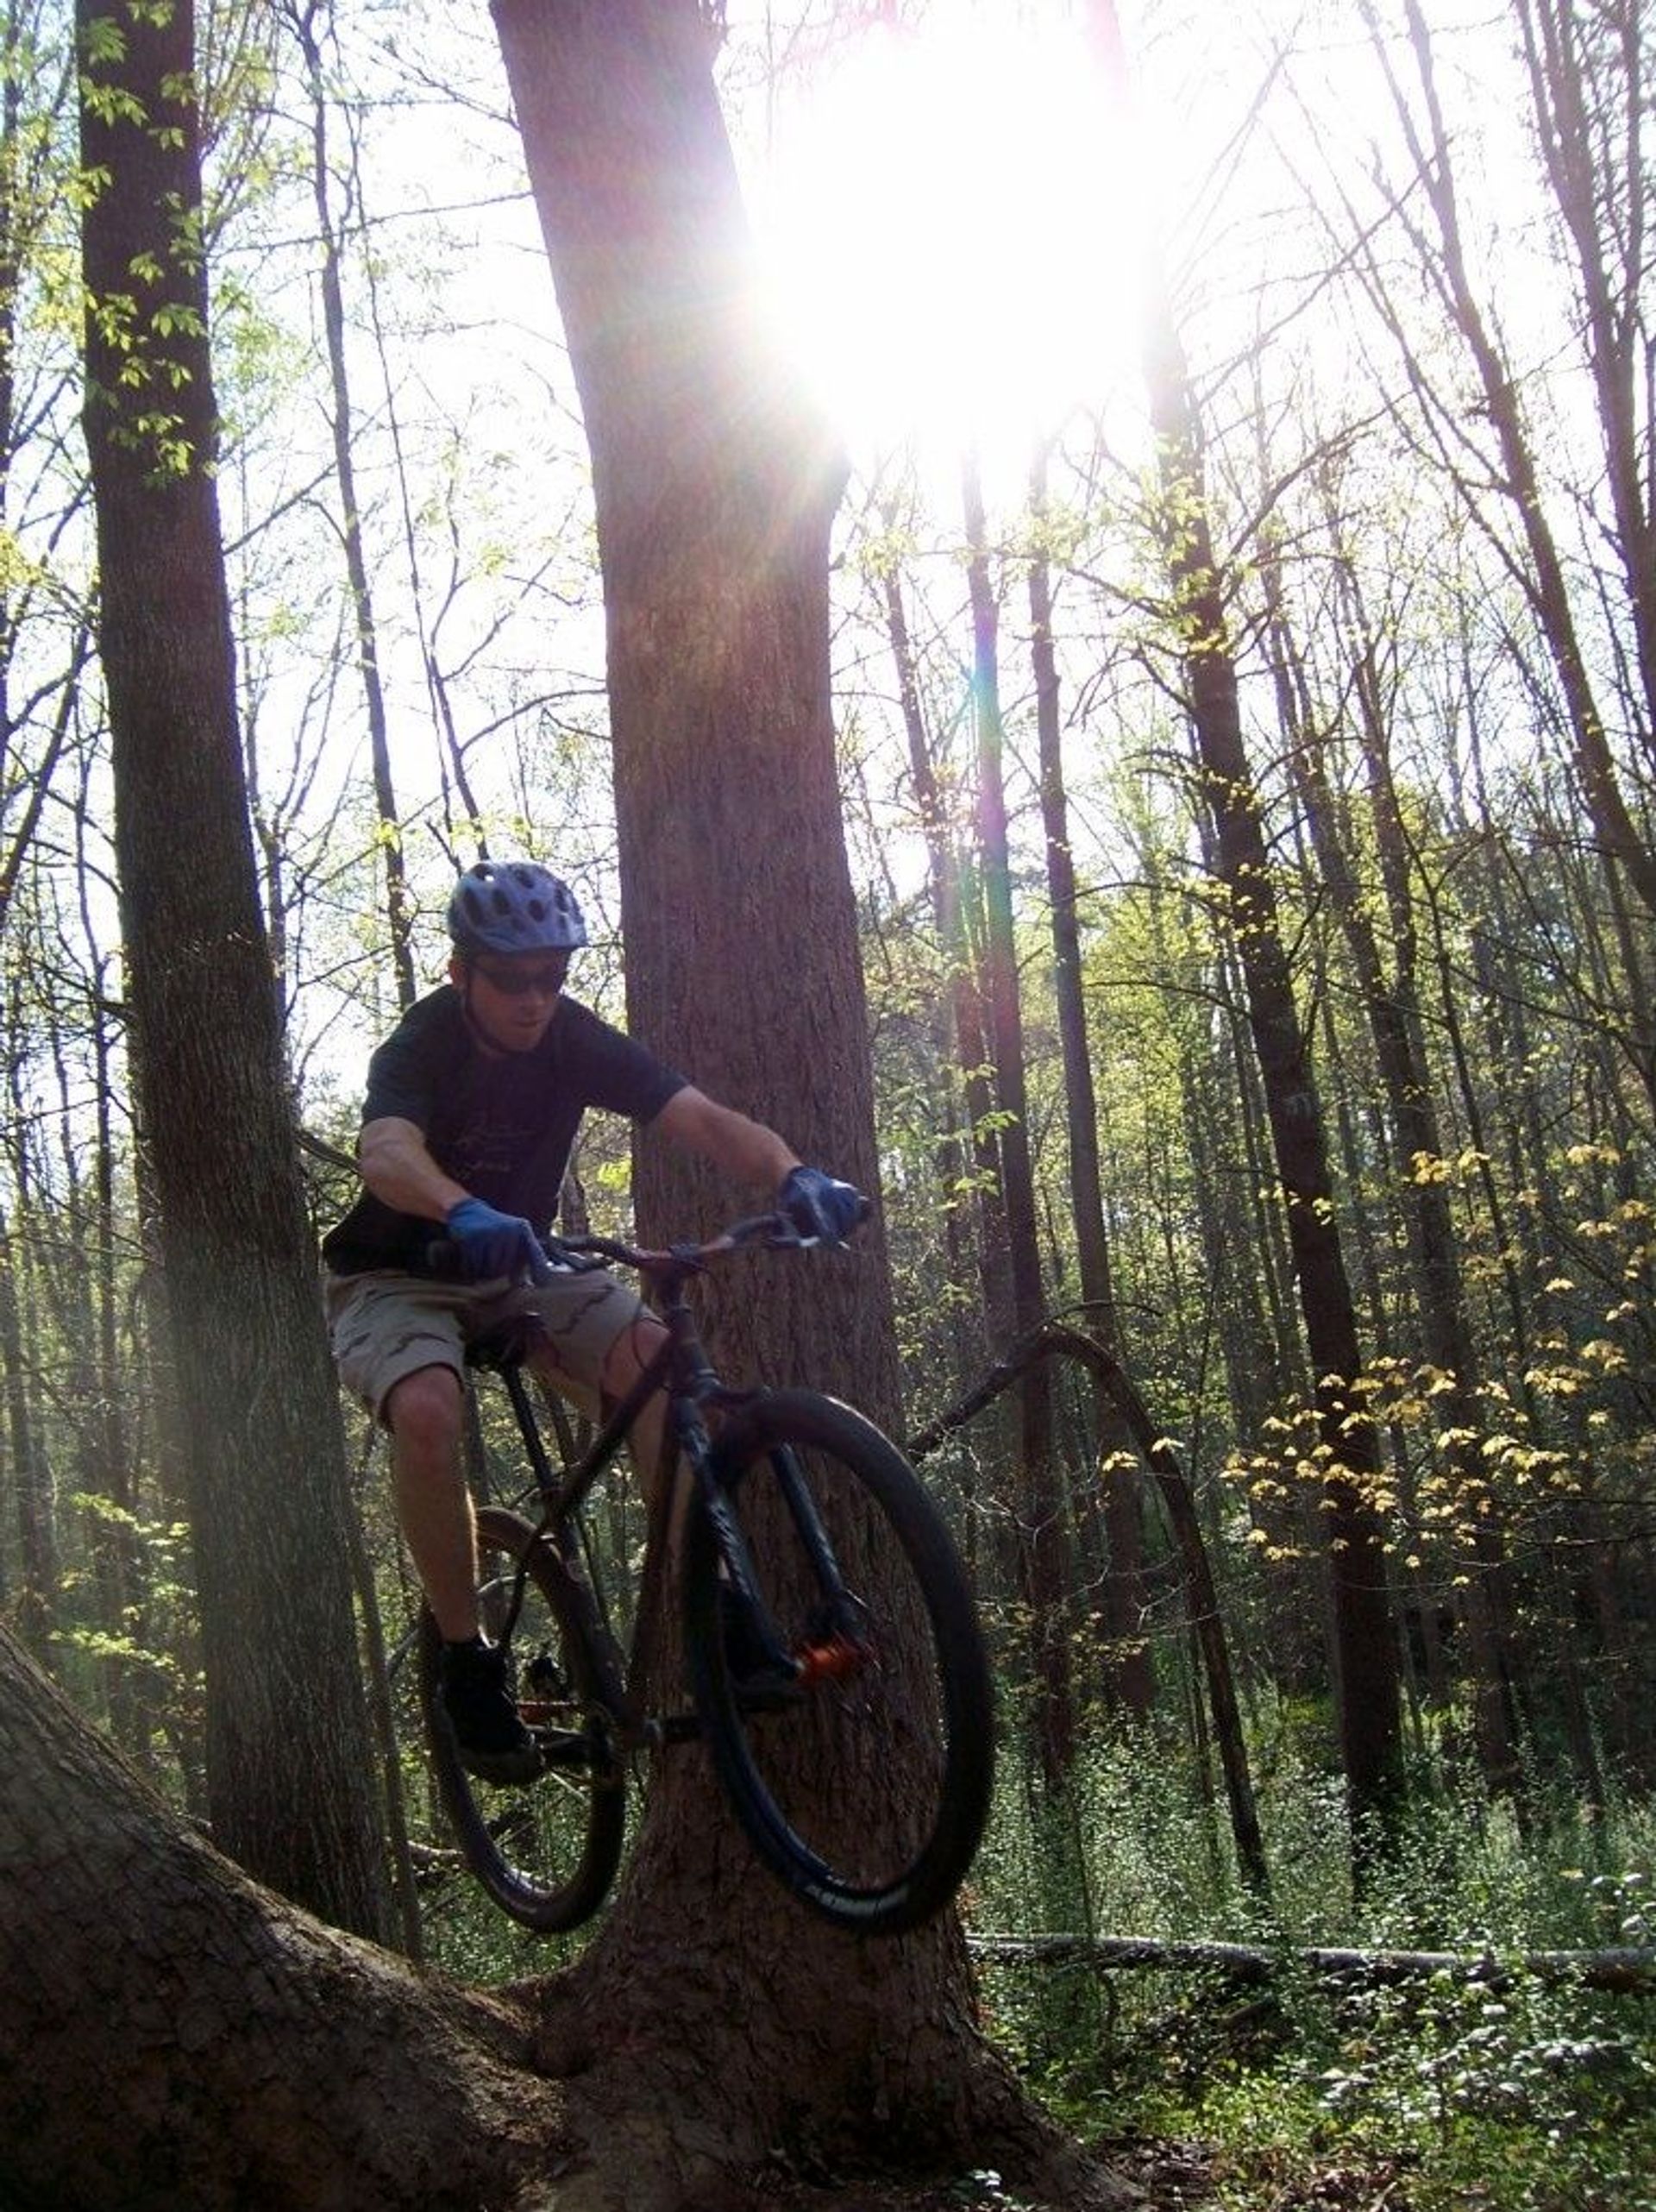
x: 835, y: 1645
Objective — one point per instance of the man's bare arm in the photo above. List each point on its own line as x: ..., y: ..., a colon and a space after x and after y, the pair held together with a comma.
x: 395, y: 1164
x: 746, y: 1150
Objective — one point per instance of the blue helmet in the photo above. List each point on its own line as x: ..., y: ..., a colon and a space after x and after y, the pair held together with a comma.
x: 513, y: 906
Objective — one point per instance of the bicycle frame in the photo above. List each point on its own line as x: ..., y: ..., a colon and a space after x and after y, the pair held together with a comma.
x: 887, y: 1665
x: 682, y: 1372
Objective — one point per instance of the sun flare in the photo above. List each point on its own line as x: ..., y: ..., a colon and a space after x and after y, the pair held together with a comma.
x: 944, y: 222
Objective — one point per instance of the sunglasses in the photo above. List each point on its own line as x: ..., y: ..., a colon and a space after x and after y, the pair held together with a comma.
x: 519, y: 982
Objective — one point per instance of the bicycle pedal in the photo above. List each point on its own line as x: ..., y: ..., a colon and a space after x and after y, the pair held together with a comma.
x: 505, y: 1770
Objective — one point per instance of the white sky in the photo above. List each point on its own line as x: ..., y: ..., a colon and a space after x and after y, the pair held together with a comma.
x: 940, y: 216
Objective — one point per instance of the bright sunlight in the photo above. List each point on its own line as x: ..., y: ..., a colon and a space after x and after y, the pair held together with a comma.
x: 943, y: 220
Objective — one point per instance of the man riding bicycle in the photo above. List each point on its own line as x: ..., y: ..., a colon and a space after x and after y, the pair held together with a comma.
x: 473, y: 1103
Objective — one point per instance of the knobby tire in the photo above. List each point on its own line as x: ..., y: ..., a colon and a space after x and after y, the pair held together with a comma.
x: 546, y: 1850
x: 866, y: 1789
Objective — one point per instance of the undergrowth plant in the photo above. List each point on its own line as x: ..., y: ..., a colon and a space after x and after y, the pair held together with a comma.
x: 1481, y: 2084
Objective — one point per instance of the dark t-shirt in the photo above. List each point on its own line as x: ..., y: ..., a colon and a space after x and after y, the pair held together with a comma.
x: 501, y: 1124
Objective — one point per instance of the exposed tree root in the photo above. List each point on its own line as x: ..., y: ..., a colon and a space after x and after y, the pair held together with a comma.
x: 688, y: 2073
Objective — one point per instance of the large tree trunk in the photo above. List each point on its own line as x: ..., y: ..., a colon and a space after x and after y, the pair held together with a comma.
x: 288, y: 1756
x: 715, y: 486
x: 175, y: 2039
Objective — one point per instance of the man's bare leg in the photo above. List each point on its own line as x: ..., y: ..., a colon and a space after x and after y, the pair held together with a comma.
x: 434, y: 1507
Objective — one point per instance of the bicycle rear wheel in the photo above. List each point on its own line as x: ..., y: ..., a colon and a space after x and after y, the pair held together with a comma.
x: 546, y: 1851
x: 865, y: 1786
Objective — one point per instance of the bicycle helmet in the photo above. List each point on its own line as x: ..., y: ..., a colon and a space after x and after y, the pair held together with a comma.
x: 513, y: 906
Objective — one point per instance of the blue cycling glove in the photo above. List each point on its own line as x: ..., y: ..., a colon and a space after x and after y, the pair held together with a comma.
x: 817, y: 1205
x: 491, y: 1243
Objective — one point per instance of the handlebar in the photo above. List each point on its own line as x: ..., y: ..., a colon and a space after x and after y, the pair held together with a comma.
x: 772, y: 1231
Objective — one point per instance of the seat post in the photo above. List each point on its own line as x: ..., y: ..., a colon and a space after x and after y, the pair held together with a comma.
x: 512, y: 1373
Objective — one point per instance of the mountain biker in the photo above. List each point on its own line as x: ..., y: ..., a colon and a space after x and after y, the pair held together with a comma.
x: 472, y: 1104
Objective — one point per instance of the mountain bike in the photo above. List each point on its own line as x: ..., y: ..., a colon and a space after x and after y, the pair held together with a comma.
x: 837, y: 1670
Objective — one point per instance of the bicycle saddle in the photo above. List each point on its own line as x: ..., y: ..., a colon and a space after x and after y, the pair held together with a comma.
x: 506, y: 1342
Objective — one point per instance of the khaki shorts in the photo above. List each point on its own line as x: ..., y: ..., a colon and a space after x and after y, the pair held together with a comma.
x: 386, y: 1325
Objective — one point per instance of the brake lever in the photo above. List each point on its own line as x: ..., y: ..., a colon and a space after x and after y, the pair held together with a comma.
x: 783, y: 1236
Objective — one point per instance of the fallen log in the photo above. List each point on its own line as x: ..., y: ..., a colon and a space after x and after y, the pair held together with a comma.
x: 1623, y: 1971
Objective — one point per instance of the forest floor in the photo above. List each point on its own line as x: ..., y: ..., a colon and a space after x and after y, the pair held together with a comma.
x: 1170, y: 2177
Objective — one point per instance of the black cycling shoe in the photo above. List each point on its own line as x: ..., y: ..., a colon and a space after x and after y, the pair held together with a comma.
x: 475, y: 1692
x: 760, y: 1677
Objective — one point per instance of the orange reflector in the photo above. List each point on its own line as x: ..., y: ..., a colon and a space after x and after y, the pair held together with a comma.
x: 832, y: 1662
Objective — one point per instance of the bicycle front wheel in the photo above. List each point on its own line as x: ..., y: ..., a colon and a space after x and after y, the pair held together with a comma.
x: 865, y: 1784
x: 546, y: 1850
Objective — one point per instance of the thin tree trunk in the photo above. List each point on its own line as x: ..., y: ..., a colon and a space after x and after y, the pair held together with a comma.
x: 1044, y: 1550
x: 1591, y: 96
x: 975, y: 1147
x: 1391, y: 1003
x: 32, y: 1603
x: 1370, y: 1708
x: 715, y: 486
x: 1131, y: 1674
x: 398, y: 906
x: 1544, y: 579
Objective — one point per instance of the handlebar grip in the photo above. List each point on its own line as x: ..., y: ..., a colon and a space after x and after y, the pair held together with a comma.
x: 442, y: 1257
x: 775, y: 1228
